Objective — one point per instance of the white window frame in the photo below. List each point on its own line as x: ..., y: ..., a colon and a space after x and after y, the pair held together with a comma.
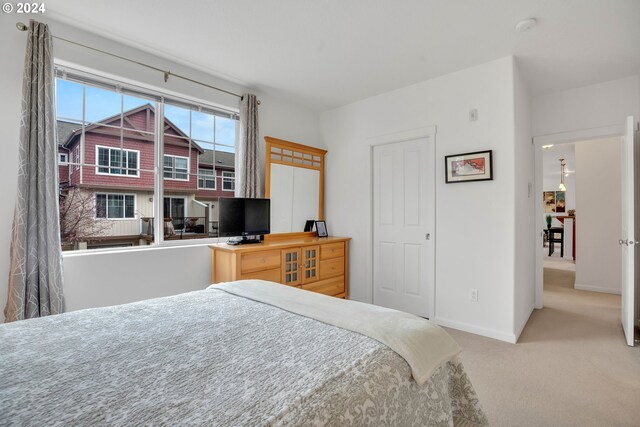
x: 76, y: 155
x: 126, y: 169
x: 173, y: 172
x: 62, y: 156
x: 231, y: 179
x: 211, y: 177
x: 90, y: 77
x: 124, y: 195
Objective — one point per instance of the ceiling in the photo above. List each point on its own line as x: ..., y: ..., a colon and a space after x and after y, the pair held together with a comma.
x: 327, y: 53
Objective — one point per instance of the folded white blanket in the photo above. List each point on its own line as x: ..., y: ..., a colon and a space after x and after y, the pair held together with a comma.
x: 423, y: 344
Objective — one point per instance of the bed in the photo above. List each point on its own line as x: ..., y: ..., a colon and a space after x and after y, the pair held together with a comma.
x: 235, y: 354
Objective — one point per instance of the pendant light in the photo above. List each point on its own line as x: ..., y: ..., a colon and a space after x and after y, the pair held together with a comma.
x: 562, y: 186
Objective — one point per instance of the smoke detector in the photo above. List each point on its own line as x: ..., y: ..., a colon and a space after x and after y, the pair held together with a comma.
x: 525, y: 25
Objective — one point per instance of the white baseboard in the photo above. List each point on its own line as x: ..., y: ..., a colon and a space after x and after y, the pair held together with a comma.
x: 597, y: 289
x: 466, y: 327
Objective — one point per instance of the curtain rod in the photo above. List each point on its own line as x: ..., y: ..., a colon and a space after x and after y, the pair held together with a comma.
x: 23, y: 27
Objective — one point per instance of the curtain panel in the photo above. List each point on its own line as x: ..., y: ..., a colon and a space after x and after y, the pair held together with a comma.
x: 35, y: 274
x: 247, y: 170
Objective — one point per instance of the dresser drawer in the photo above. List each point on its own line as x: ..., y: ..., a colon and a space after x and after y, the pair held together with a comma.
x: 256, y: 261
x: 332, y: 250
x: 331, y: 267
x: 272, y: 275
x: 331, y: 287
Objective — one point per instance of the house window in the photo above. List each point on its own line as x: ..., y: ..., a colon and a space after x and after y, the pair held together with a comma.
x: 206, y: 179
x: 76, y: 156
x: 115, y: 206
x: 115, y: 161
x: 63, y: 158
x: 228, y: 181
x: 176, y: 167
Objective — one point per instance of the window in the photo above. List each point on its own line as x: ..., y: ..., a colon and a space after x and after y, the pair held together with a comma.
x: 228, y: 181
x: 63, y: 158
x: 174, y: 207
x: 116, y: 161
x: 115, y: 206
x: 76, y: 156
x: 176, y: 167
x: 108, y: 131
x: 206, y: 179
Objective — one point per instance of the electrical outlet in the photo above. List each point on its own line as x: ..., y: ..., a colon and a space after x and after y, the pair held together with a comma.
x: 473, y: 115
x: 473, y: 295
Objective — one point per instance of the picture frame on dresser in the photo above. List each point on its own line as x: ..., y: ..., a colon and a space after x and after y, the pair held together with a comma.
x: 321, y: 228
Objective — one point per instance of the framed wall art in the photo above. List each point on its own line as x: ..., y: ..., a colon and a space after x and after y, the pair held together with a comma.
x: 549, y: 200
x: 476, y: 166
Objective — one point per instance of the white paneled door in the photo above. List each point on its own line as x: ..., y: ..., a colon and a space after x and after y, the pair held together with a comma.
x: 628, y: 240
x: 403, y: 225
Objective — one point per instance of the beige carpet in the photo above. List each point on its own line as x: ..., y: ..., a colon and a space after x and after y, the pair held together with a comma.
x: 571, y: 366
x: 555, y: 261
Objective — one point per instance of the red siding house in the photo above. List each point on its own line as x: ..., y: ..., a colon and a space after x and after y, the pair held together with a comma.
x: 112, y: 165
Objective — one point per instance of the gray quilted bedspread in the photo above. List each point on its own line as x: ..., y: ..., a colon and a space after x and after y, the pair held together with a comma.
x: 212, y: 358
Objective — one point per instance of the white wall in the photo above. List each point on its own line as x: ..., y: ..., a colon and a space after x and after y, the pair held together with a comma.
x: 88, y: 278
x: 524, y: 245
x: 603, y: 104
x: 598, y: 220
x: 475, y: 221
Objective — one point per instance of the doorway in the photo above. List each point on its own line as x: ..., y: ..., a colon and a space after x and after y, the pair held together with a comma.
x: 175, y: 208
x: 403, y: 186
x: 559, y: 206
x: 594, y: 192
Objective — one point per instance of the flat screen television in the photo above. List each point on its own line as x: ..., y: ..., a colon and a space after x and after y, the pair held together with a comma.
x: 244, y: 217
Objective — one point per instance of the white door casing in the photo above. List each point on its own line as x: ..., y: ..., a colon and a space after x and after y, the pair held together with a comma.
x: 628, y: 239
x: 553, y: 139
x: 404, y: 225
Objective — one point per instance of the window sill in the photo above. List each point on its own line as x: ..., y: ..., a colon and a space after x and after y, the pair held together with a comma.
x: 122, y: 175
x: 165, y: 245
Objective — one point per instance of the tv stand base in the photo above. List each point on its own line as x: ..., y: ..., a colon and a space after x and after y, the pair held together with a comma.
x: 244, y: 240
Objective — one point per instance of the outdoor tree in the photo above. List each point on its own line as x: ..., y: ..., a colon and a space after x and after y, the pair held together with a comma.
x: 77, y: 218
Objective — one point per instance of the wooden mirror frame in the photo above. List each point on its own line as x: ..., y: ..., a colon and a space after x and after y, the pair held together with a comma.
x: 302, y: 156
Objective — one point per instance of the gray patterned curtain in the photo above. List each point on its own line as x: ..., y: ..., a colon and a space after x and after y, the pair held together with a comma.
x: 247, y: 171
x: 35, y: 275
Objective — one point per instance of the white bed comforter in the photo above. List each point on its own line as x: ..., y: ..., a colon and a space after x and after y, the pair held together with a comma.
x: 423, y: 344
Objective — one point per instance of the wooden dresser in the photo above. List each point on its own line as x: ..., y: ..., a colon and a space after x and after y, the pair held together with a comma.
x: 318, y: 264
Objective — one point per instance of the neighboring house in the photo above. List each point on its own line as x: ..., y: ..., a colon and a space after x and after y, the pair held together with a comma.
x: 64, y: 130
x: 121, y: 183
x: 216, y: 178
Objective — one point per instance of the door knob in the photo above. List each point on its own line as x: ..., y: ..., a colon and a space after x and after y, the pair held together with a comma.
x: 427, y: 236
x: 621, y: 242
